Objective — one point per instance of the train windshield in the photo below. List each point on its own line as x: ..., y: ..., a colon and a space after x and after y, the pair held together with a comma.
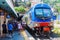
x: 39, y: 12
x: 43, y: 12
x: 47, y: 12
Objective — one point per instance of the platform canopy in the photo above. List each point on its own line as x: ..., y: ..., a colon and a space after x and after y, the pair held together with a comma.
x: 8, y: 6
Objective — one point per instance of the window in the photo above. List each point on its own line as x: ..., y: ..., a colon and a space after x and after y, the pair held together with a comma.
x: 47, y: 12
x: 39, y: 12
x: 43, y: 13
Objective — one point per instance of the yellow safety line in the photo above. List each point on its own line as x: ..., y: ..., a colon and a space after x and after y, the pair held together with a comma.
x: 24, y: 34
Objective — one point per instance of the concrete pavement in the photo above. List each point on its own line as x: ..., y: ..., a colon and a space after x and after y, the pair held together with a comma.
x: 16, y: 36
x: 24, y: 35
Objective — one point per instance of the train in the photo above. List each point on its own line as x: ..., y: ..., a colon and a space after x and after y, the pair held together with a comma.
x: 40, y: 19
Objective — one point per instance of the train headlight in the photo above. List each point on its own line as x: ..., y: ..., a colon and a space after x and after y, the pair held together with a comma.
x: 51, y: 24
x: 36, y: 25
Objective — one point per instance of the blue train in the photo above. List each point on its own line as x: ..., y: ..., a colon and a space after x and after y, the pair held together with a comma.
x: 40, y: 19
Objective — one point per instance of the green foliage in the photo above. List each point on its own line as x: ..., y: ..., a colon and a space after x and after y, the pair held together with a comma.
x: 46, y: 1
x: 58, y: 1
x: 57, y: 8
x: 28, y: 4
x: 17, y: 9
x: 22, y: 4
x: 20, y: 9
x: 56, y: 31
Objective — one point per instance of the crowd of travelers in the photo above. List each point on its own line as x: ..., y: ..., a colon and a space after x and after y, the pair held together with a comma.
x: 10, y: 27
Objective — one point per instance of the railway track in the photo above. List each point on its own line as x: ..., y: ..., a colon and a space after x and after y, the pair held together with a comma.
x: 52, y: 36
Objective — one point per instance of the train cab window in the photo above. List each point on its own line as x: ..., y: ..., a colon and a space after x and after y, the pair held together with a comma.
x: 47, y: 12
x: 43, y: 13
x: 39, y: 12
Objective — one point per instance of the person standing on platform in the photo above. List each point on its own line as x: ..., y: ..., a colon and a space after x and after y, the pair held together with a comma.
x: 19, y: 27
x: 10, y: 28
x: 4, y: 27
x: 24, y: 24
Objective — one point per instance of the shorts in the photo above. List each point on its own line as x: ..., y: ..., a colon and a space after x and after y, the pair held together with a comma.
x: 4, y: 31
x: 10, y: 31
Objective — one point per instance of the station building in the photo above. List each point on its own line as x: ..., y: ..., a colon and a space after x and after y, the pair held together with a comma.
x: 6, y: 12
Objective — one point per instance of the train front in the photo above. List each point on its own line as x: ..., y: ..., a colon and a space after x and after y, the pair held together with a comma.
x: 42, y: 18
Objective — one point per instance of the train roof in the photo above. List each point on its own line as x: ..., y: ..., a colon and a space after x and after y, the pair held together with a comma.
x: 42, y: 6
x: 38, y: 6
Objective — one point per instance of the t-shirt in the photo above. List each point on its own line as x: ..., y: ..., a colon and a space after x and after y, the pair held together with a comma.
x: 23, y: 22
x: 4, y: 26
x: 19, y: 26
x: 10, y: 27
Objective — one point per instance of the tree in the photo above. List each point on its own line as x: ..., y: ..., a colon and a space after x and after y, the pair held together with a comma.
x: 28, y: 4
x: 57, y: 8
x: 20, y: 9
